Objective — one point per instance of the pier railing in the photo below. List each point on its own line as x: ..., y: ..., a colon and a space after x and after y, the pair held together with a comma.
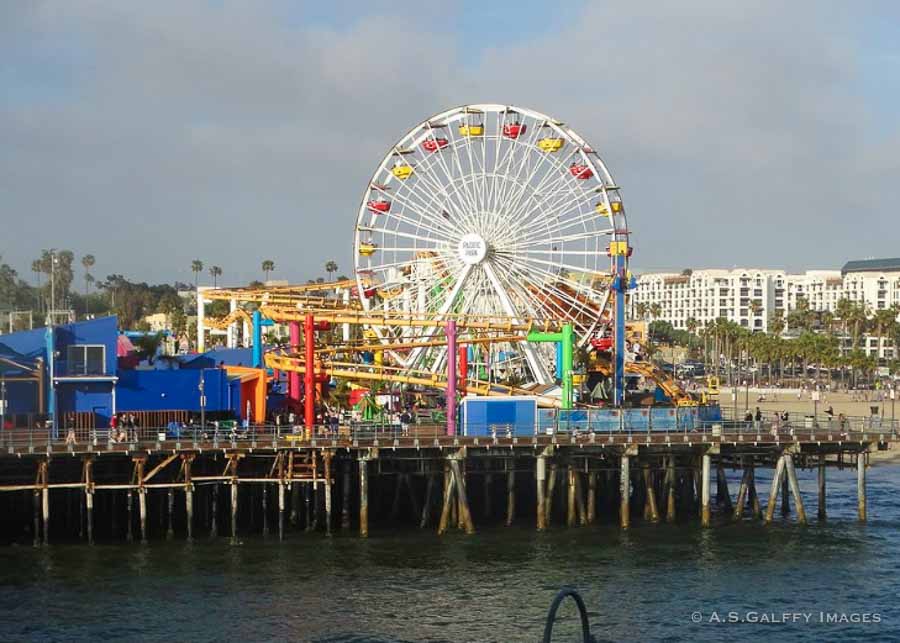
x: 38, y: 440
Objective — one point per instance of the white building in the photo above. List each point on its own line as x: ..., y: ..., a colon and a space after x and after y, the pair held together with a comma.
x: 751, y: 296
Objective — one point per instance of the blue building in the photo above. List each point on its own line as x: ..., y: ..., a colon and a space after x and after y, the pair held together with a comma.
x: 73, y: 369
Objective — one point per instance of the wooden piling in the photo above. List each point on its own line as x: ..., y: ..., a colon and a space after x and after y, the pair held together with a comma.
x: 89, y: 498
x: 785, y: 496
x: 45, y: 499
x: 773, y: 492
x: 281, y: 509
x: 448, y: 499
x: 624, y: 492
x: 592, y: 497
x: 188, y: 497
x: 861, y: 486
x: 741, y: 500
x: 670, y: 489
x: 705, y: 518
x: 551, y: 491
x: 129, y: 519
x: 821, y: 479
x: 345, y: 500
x: 570, y: 505
x: 580, y: 509
x: 234, y: 511
x: 652, y: 508
x: 265, y: 510
x: 37, y: 518
x: 363, y: 498
x: 540, y: 475
x: 295, y: 502
x: 723, y: 494
x: 795, y: 488
x: 465, y: 513
x: 426, y: 503
x: 510, y: 492
x: 327, y: 458
x: 487, y: 496
x: 170, y: 531
x: 142, y: 510
x: 411, y: 495
x: 214, y: 510
x: 754, y: 497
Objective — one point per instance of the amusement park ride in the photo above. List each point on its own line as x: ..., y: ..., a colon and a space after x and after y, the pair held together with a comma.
x: 491, y: 246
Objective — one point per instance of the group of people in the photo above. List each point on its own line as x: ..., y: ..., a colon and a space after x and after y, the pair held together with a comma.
x: 122, y: 426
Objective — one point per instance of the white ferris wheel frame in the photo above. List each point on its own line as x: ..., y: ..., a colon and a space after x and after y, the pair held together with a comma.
x: 513, y: 219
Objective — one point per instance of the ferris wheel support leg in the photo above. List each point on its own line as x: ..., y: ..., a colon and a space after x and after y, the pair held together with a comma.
x: 619, y: 374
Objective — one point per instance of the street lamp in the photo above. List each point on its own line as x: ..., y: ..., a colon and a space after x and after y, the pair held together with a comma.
x: 200, y: 387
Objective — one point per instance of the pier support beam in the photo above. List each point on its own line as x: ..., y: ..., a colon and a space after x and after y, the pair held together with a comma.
x: 281, y: 509
x: 45, y: 498
x: 795, y: 488
x: 265, y: 510
x: 89, y: 498
x: 327, y: 458
x: 540, y: 476
x: 234, y: 510
x: 425, y: 518
x: 624, y: 492
x: 591, y: 497
x: 652, y: 507
x: 37, y: 518
x: 821, y: 479
x: 785, y: 496
x: 448, y: 499
x: 129, y: 519
x: 671, y: 480
x: 465, y: 515
x: 861, y: 486
x: 214, y: 518
x: 551, y: 491
x: 170, y: 531
x: 364, y: 497
x: 723, y: 494
x: 510, y: 492
x: 187, y: 461
x: 345, y: 500
x: 142, y: 512
x: 704, y: 491
x: 777, y: 479
x: 488, y: 479
x: 570, y: 504
x: 754, y: 497
x: 742, y: 494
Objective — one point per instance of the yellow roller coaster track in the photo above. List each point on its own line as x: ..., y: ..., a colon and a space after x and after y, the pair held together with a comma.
x: 380, y: 373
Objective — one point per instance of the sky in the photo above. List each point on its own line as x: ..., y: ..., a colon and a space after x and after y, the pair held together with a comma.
x: 153, y: 133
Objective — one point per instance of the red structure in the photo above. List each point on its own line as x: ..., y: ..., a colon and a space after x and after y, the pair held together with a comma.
x: 581, y: 171
x: 434, y: 144
x: 513, y: 130
x: 463, y: 369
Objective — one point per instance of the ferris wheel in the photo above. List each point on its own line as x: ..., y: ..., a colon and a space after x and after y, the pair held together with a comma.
x: 491, y: 210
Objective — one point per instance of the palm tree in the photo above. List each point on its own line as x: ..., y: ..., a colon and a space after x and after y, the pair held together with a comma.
x: 331, y: 267
x: 691, y: 324
x: 268, y: 266
x: 196, y: 268
x: 216, y: 272
x: 87, y: 261
x: 655, y: 310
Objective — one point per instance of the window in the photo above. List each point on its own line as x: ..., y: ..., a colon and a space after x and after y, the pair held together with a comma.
x: 86, y: 360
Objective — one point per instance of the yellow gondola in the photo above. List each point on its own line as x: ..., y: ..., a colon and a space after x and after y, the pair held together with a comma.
x: 402, y: 172
x: 602, y: 210
x: 367, y: 249
x: 471, y: 130
x: 550, y: 144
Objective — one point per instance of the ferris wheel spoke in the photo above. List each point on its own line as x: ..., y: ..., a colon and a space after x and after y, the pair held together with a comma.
x: 537, y: 367
x: 430, y: 179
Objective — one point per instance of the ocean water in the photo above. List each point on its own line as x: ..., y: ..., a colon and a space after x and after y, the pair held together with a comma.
x: 836, y: 580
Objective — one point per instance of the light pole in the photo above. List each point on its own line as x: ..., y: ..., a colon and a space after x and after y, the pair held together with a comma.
x: 201, y: 388
x: 893, y: 403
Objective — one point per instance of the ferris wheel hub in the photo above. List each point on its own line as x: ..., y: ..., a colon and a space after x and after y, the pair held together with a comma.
x: 472, y: 248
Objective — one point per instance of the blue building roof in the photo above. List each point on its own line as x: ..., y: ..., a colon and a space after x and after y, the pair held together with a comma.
x: 872, y: 265
x: 212, y: 358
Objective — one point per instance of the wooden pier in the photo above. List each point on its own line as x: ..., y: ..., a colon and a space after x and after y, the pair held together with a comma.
x: 271, y: 485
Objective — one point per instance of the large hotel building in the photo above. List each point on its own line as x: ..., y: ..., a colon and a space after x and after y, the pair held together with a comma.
x: 750, y: 297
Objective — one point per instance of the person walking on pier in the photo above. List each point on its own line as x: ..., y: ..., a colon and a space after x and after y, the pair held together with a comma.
x: 757, y: 419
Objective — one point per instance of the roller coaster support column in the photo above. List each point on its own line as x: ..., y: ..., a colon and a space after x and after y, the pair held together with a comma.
x: 567, y: 339
x: 294, y: 377
x: 257, y: 340
x: 451, y: 377
x: 309, y: 384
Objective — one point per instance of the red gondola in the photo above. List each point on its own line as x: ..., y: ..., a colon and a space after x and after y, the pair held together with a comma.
x: 513, y: 130
x: 434, y: 144
x: 602, y: 343
x: 581, y: 171
x: 379, y: 206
